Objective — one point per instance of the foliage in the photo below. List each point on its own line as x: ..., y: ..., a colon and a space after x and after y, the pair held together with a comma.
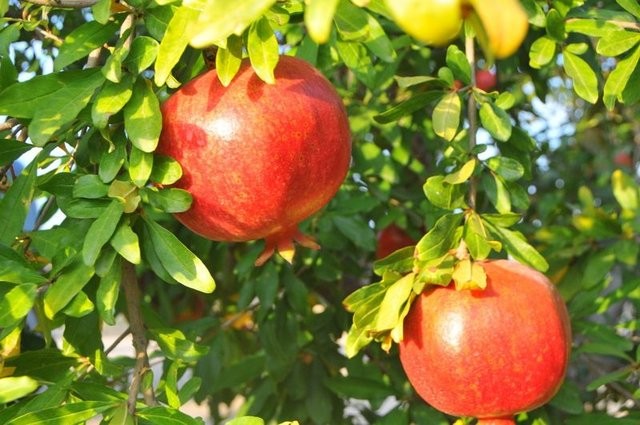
x: 527, y: 171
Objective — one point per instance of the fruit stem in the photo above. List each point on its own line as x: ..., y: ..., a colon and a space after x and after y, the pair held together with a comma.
x: 472, y: 115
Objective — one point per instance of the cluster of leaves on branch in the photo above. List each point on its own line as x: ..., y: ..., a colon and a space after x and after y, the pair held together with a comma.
x: 484, y: 173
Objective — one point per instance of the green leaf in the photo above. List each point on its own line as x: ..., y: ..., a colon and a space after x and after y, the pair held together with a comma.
x: 542, y: 52
x: 220, y: 18
x: 51, y: 101
x: 393, y: 303
x: 619, y: 78
x: 459, y: 64
x: 176, y: 346
x: 113, y: 68
x: 351, y: 21
x: 409, y: 106
x: 67, y: 286
x: 497, y: 192
x: 16, y: 303
x: 585, y: 81
x: 142, y: 117
x: 263, y: 49
x: 102, y: 11
x: 496, y: 121
x: 318, y: 16
x: 169, y: 200
x: 108, y: 292
x: 617, y: 43
x: 67, y: 414
x: 508, y: 168
x: 630, y: 6
x: 171, y: 385
x: 142, y: 54
x: 591, y: 27
x: 18, y: 272
x: 516, y: 245
x: 89, y: 186
x: 178, y: 260
x: 446, y: 116
x: 80, y: 306
x: 625, y: 190
x: 555, y: 25
x: 440, y: 239
x: 476, y: 237
x: 10, y: 150
x: 13, y: 388
x: 47, y: 364
x: 111, y: 161
x: 140, y: 166
x: 356, y: 231
x: 176, y: 38
x: 14, y: 206
x: 166, y: 170
x: 463, y: 174
x: 444, y: 195
x: 101, y: 231
x: 110, y: 100
x: 125, y: 242
x: 229, y: 59
x: 378, y: 42
x: 82, y: 41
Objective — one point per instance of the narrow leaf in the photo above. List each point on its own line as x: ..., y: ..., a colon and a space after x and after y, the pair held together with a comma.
x: 142, y: 117
x: 318, y: 16
x: 585, y: 81
x: 66, y: 287
x: 101, y: 231
x: 176, y: 38
x: 13, y: 388
x: 263, y: 50
x: 446, y: 116
x: 178, y: 260
x: 17, y: 303
x: 14, y: 206
x: 229, y: 59
x: 496, y: 121
x: 67, y: 414
x: 82, y: 41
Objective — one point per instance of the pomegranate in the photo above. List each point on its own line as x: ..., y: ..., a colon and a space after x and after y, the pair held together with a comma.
x: 257, y: 158
x: 391, y: 239
x: 488, y: 353
x: 486, y: 79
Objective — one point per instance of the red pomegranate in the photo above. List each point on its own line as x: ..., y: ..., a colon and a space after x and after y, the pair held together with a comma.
x: 486, y: 79
x: 257, y: 158
x: 488, y: 353
x: 391, y: 239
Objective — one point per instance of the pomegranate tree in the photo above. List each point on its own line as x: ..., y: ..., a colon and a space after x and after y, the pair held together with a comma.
x: 488, y: 353
x: 257, y: 158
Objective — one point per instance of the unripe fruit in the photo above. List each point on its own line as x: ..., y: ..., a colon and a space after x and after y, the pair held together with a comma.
x: 505, y: 24
x: 257, y: 158
x: 435, y: 22
x: 488, y: 353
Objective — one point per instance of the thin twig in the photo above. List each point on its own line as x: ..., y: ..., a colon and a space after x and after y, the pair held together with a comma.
x: 117, y: 341
x: 57, y: 41
x: 472, y: 117
x: 133, y: 297
x: 73, y: 4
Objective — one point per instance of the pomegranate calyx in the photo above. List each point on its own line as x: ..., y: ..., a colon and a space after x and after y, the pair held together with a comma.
x: 283, y: 243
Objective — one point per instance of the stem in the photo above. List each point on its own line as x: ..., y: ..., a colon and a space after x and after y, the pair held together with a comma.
x: 117, y: 341
x: 136, y: 324
x: 472, y: 116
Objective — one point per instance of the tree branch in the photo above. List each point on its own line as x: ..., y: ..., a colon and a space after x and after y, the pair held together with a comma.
x: 139, y: 337
x: 472, y: 116
x: 73, y: 4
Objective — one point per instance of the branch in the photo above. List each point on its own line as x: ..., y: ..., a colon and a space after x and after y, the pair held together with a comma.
x: 139, y: 337
x: 472, y: 116
x: 73, y: 4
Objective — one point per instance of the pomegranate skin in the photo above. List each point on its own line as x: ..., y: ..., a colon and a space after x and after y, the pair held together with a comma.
x: 391, y: 239
x: 488, y: 353
x: 257, y: 158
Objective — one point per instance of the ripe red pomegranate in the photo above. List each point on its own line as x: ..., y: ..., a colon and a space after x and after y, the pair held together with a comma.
x: 257, y: 158
x: 488, y: 353
x: 486, y: 79
x: 391, y: 239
